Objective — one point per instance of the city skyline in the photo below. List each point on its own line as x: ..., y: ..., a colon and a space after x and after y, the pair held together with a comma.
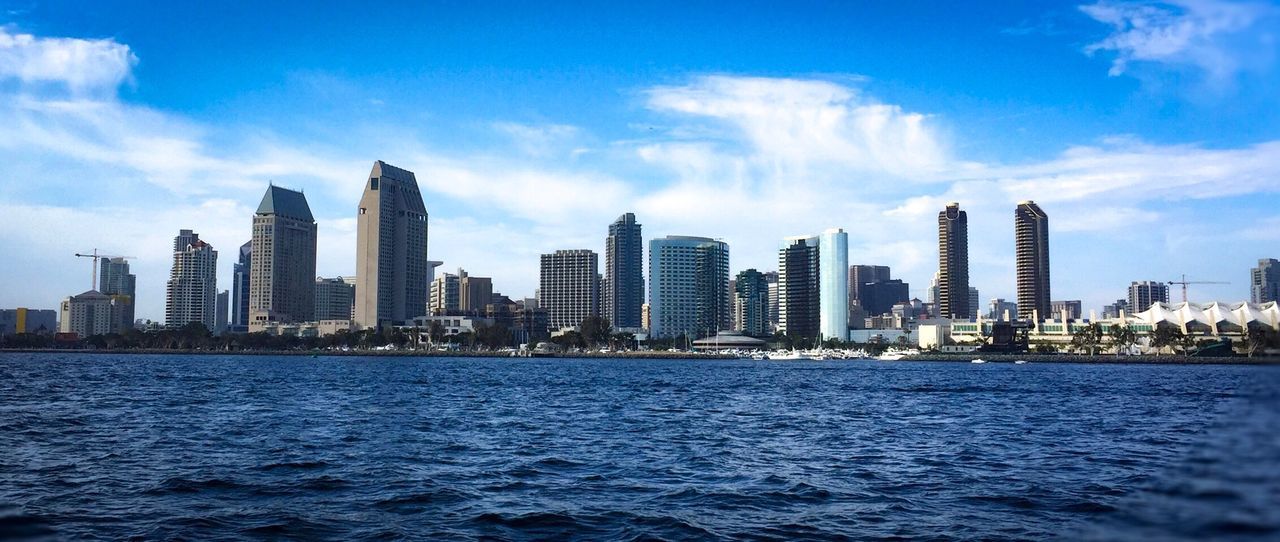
x: 695, y: 145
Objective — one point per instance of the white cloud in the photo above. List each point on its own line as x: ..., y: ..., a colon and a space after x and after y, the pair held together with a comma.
x: 1217, y: 37
x: 79, y: 64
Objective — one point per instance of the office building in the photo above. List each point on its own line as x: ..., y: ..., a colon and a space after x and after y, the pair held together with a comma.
x: 192, y: 292
x: 751, y: 303
x: 570, y: 287
x: 1142, y: 294
x: 799, y: 303
x: 1114, y: 310
x: 221, y: 306
x: 240, y: 289
x: 391, y: 249
x: 23, y: 320
x: 688, y: 287
x: 953, y: 263
x: 864, y: 274
x: 116, y: 282
x: 86, y: 315
x: 1070, y: 309
x: 1264, y: 281
x: 282, y: 273
x: 771, y: 278
x: 1031, y: 245
x: 473, y: 293
x: 877, y: 298
x: 445, y: 296
x: 974, y: 302
x: 335, y: 299
x: 1002, y: 310
x: 623, y: 292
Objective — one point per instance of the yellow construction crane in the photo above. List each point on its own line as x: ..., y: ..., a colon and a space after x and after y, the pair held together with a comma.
x: 1184, y: 282
x: 94, y: 277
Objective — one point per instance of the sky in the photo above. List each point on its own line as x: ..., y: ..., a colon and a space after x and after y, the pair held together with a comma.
x: 1148, y: 131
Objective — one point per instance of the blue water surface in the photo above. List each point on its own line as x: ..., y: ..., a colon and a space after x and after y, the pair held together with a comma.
x: 350, y: 448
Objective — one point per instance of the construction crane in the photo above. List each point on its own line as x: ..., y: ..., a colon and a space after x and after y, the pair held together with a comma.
x: 1184, y: 282
x: 94, y: 277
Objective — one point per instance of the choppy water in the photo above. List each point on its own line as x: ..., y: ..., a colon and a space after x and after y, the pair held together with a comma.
x: 155, y: 447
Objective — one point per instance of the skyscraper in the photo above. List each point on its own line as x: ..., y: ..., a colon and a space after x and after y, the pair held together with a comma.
x: 833, y: 288
x: 1143, y: 294
x: 624, y: 273
x: 391, y: 249
x: 116, y: 282
x: 1264, y: 281
x: 474, y: 293
x: 192, y: 293
x: 953, y: 262
x: 220, y: 308
x: 1031, y: 230
x: 751, y: 301
x: 282, y: 273
x: 799, y: 304
x: 240, y: 289
x: 863, y: 274
x: 688, y: 287
x: 570, y: 287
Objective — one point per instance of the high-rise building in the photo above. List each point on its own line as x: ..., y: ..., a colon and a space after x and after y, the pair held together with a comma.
x: 863, y: 274
x: 623, y: 273
x: 240, y: 289
x: 974, y: 302
x: 751, y: 303
x: 999, y: 309
x: 445, y: 295
x: 334, y: 299
x: 688, y: 287
x: 1113, y: 310
x: 1264, y: 281
x: 771, y: 278
x: 1142, y: 294
x: 473, y: 293
x: 192, y: 291
x: 1031, y: 231
x: 570, y: 287
x: 1072, y: 309
x: 953, y: 263
x: 391, y: 249
x: 116, y: 282
x: 282, y: 273
x: 878, y: 298
x: 799, y: 304
x: 833, y: 287
x: 86, y: 315
x: 220, y: 312
x: 24, y: 320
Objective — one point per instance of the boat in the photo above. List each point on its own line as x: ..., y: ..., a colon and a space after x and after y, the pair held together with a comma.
x: 978, y: 360
x: 891, y: 356
x: 792, y: 355
x: 759, y: 356
x: 1020, y: 362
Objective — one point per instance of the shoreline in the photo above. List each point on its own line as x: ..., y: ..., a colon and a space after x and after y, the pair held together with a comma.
x: 1107, y: 359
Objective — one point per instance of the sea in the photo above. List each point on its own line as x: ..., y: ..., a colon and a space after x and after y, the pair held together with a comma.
x: 211, y: 447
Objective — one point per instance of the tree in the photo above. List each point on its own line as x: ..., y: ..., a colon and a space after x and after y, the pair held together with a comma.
x: 435, y: 330
x: 1166, y: 336
x: 595, y: 330
x: 1257, y: 339
x: 1122, y: 338
x: 1087, y: 338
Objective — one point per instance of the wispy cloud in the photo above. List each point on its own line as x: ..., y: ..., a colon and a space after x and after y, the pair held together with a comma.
x: 1218, y: 38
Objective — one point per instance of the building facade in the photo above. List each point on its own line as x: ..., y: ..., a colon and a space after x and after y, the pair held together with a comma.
x: 833, y: 284
x: 24, y: 320
x: 999, y: 309
x: 221, y: 307
x: 569, y: 286
x: 623, y: 292
x: 799, y: 284
x: 282, y: 275
x: 1072, y: 309
x: 953, y: 263
x: 192, y: 291
x: 391, y: 249
x: 86, y: 315
x: 116, y: 282
x: 1142, y: 294
x: 335, y: 299
x: 473, y: 293
x: 240, y: 289
x: 1031, y: 233
x: 445, y: 295
x: 858, y: 276
x: 751, y: 303
x: 1264, y: 281
x: 688, y: 287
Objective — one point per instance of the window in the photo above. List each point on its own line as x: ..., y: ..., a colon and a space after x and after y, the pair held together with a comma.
x: 373, y: 183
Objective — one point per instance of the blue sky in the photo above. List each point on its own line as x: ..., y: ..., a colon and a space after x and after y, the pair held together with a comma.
x: 1149, y: 132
